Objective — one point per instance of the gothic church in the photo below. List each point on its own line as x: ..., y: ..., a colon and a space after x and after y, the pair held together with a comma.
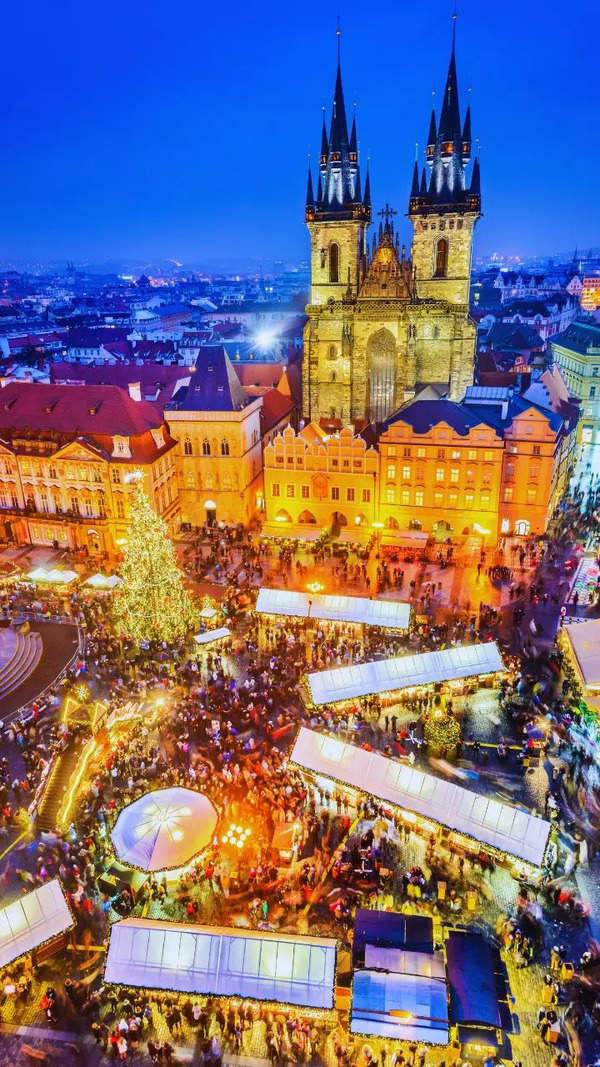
x: 383, y: 324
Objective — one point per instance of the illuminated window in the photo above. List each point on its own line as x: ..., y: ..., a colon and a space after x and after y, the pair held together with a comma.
x: 421, y: 453
x: 419, y: 498
x: 472, y: 453
x: 276, y: 489
x: 454, y: 474
x: 505, y: 526
x: 405, y: 497
x: 391, y: 471
x: 508, y: 493
x: 390, y: 495
x: 531, y: 496
x: 470, y: 474
x: 439, y: 474
x: 392, y: 450
x: 406, y: 474
x: 438, y: 499
x: 334, y: 263
x: 452, y: 500
x: 290, y: 491
x: 485, y: 500
x: 469, y: 500
x: 488, y: 456
x: 120, y: 506
x: 455, y: 453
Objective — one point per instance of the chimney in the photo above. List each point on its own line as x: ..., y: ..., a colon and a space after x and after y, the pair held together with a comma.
x: 135, y: 390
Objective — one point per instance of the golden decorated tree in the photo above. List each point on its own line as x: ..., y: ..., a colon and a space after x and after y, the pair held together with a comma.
x: 151, y: 603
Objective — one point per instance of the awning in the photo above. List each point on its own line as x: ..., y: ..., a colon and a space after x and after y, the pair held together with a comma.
x: 402, y: 672
x: 39, y: 574
x: 354, y: 535
x: 405, y: 538
x: 165, y: 829
x: 291, y: 530
x: 497, y: 824
x: 387, y: 614
x: 404, y: 1007
x: 221, y: 961
x: 212, y: 635
x: 474, y: 968
x: 103, y: 581
x: 33, y: 919
x: 584, y: 638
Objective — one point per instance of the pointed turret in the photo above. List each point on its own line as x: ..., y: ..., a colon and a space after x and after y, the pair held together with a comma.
x: 319, y: 190
x: 367, y: 199
x: 466, y: 138
x: 431, y: 138
x: 414, y: 189
x: 353, y: 141
x: 357, y: 192
x: 475, y: 187
x: 338, y: 131
x: 324, y: 143
x: 310, y: 196
x: 423, y: 189
x: 449, y: 128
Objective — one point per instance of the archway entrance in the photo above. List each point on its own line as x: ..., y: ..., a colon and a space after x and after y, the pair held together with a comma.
x: 522, y: 527
x: 338, y: 519
x: 93, y: 541
x: 211, y: 512
x: 307, y: 518
x: 381, y: 364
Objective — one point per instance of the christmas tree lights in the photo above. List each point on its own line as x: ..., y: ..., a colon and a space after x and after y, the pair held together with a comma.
x: 151, y: 603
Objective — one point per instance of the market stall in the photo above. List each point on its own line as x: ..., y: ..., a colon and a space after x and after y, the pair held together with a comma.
x: 164, y: 830
x: 404, y: 672
x: 221, y: 961
x: 501, y: 826
x: 35, y: 919
x: 582, y: 641
x: 274, y: 606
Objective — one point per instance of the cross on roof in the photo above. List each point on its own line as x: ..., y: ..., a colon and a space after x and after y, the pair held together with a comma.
x: 387, y: 212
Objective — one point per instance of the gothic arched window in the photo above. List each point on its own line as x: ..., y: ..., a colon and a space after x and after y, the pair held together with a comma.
x: 441, y: 258
x: 224, y: 447
x: 334, y: 263
x: 206, y: 447
x: 187, y: 447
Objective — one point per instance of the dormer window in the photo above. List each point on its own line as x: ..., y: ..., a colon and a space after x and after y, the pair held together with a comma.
x: 158, y: 437
x: 121, y: 447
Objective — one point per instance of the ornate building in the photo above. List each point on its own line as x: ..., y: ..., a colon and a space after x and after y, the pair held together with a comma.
x: 381, y: 324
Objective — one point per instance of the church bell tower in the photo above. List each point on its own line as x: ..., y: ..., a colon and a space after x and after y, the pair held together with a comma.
x: 443, y: 209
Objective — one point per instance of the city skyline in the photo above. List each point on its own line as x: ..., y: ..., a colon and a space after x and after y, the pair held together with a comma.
x: 203, y: 150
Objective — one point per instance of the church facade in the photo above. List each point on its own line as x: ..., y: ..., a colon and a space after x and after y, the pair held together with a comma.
x: 382, y: 323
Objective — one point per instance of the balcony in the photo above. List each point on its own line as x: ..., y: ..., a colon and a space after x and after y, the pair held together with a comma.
x: 52, y: 516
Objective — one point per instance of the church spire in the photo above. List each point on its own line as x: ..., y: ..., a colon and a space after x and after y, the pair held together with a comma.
x: 414, y: 189
x: 310, y: 196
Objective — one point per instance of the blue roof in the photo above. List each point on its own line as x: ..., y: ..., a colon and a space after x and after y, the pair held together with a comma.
x: 474, y: 969
x: 422, y: 415
x: 214, y: 385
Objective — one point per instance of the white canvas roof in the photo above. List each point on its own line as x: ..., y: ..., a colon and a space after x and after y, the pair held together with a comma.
x: 33, y: 919
x: 392, y: 614
x: 585, y: 642
x: 402, y: 672
x: 502, y: 826
x: 222, y: 961
x: 212, y: 635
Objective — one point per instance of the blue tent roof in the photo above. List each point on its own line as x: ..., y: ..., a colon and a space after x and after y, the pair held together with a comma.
x: 473, y: 967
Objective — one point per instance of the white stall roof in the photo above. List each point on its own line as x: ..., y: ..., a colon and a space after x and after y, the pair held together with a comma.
x: 585, y: 642
x: 212, y: 635
x: 222, y: 962
x: 32, y: 920
x: 391, y: 614
x: 401, y: 672
x: 502, y: 826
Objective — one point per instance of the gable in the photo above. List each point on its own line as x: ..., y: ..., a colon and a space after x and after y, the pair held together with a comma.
x: 78, y: 450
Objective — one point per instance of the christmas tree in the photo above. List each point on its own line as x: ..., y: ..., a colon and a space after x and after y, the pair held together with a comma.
x: 151, y: 602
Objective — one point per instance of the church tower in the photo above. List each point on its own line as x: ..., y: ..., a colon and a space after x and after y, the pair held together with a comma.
x: 443, y: 209
x: 338, y: 216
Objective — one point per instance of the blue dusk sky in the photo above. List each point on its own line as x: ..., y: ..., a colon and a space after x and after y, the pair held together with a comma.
x: 182, y: 130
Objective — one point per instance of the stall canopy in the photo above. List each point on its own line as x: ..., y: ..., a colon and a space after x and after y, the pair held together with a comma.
x: 387, y: 614
x: 103, y: 581
x: 402, y: 672
x: 474, y: 976
x: 32, y: 920
x: 221, y: 961
x: 289, y: 530
x: 164, y: 830
x: 499, y: 825
x: 584, y: 638
x: 39, y: 574
x: 212, y: 635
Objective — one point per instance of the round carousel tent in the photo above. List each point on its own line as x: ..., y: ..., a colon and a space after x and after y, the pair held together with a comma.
x: 164, y: 830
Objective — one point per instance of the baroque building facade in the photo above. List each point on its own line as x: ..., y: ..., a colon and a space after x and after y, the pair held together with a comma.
x: 381, y: 322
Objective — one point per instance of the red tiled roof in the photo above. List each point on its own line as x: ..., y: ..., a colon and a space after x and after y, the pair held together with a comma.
x: 264, y: 375
x: 275, y: 407
x: 100, y: 410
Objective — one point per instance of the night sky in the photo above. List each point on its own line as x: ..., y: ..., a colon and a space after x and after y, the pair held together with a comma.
x: 180, y: 130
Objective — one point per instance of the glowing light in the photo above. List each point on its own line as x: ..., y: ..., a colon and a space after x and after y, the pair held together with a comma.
x: 264, y: 338
x: 236, y: 836
x: 480, y: 529
x: 315, y: 587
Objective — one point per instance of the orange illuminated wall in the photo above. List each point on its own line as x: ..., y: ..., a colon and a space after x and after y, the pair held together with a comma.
x: 590, y: 294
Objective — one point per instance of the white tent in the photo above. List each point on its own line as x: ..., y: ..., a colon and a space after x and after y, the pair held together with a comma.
x: 507, y: 828
x: 389, y: 614
x: 402, y: 672
x: 103, y: 581
x: 584, y: 638
x: 33, y: 919
x: 212, y: 635
x: 222, y: 962
x: 164, y: 830
x: 39, y: 574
